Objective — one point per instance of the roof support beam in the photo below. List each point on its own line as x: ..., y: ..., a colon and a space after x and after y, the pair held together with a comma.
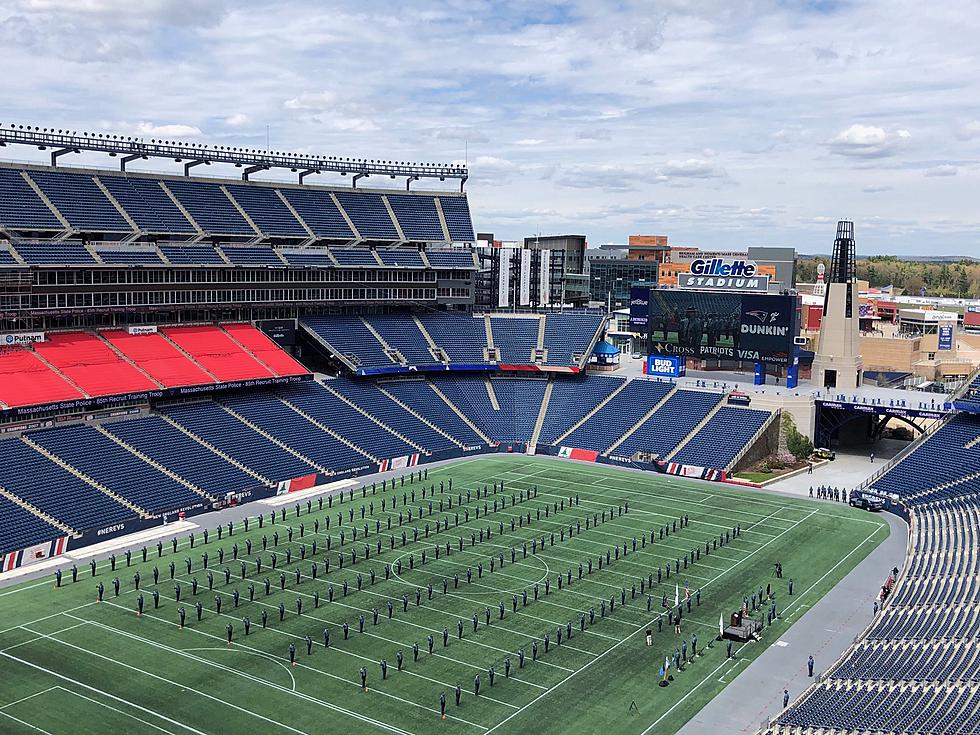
x: 252, y: 170
x: 60, y: 152
x: 191, y: 164
x: 127, y: 159
x: 306, y: 172
x: 361, y: 175
x: 408, y: 182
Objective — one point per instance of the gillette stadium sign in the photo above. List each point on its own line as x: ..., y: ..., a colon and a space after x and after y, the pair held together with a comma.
x: 724, y: 274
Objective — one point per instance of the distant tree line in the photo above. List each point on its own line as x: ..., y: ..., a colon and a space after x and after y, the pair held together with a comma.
x: 952, y: 279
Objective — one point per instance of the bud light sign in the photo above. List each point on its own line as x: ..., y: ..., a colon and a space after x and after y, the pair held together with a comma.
x: 666, y: 366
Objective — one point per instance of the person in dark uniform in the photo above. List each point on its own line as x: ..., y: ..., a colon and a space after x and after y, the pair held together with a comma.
x: 309, y: 646
x: 139, y: 605
x: 442, y: 705
x: 156, y: 599
x: 534, y: 650
x: 182, y: 614
x: 729, y: 650
x: 292, y: 654
x: 265, y: 618
x: 459, y: 693
x: 100, y: 591
x: 415, y: 651
x: 346, y: 628
x: 199, y: 608
x: 476, y: 685
x: 445, y: 637
x: 247, y: 624
x: 399, y: 660
x: 785, y: 698
x: 520, y: 658
x: 229, y: 631
x: 282, y: 611
x: 459, y: 629
x: 429, y: 640
x: 384, y: 669
x: 326, y: 637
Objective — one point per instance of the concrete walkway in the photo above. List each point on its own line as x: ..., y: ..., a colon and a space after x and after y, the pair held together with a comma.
x: 826, y: 628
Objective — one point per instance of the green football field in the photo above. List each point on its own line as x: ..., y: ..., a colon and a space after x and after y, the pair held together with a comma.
x: 72, y: 665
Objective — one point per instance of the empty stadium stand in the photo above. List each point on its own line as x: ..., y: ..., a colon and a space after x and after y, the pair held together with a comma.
x: 915, y: 668
x: 159, y: 358
x: 25, y: 380
x: 726, y: 433
x: 92, y: 365
x: 623, y: 410
x: 663, y: 431
x: 214, y: 350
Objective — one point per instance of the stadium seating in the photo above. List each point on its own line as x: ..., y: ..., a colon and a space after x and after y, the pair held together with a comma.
x: 418, y: 394
x: 508, y: 423
x: 461, y: 336
x: 522, y: 397
x: 21, y: 207
x: 252, y: 255
x: 573, y: 398
x: 457, y: 214
x: 55, y: 253
x: 669, y: 424
x: 568, y: 334
x: 266, y: 411
x: 515, y: 338
x: 217, y: 353
x: 318, y: 257
x: 264, y: 349
x: 30, y: 475
x: 134, y: 255
x: 623, y: 410
x: 324, y: 406
x: 147, y: 204
x: 80, y: 201
x: 209, y: 207
x: 22, y: 528
x: 158, y: 358
x: 230, y: 436
x: 179, y: 453
x: 349, y: 338
x: 88, y: 362
x: 401, y: 257
x: 400, y: 331
x: 418, y: 217
x: 373, y: 401
x: 720, y: 439
x: 27, y: 381
x: 266, y: 210
x: 319, y: 212
x: 115, y: 468
x: 354, y: 256
x: 450, y: 258
x: 191, y: 255
x: 369, y: 215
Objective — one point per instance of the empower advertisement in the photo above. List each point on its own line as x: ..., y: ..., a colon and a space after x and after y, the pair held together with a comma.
x: 718, y: 325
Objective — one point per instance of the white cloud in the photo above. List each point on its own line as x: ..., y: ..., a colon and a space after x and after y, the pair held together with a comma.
x: 529, y: 141
x: 868, y: 141
x: 149, y: 129
x: 968, y: 130
x: 944, y: 169
x: 692, y: 168
x: 238, y: 120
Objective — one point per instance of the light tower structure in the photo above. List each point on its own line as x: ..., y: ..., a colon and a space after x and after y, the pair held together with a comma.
x: 838, y: 363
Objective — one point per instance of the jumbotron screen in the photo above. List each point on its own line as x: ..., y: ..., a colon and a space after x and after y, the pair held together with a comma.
x: 722, y: 325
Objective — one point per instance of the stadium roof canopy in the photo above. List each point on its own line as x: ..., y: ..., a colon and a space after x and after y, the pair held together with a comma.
x: 131, y: 148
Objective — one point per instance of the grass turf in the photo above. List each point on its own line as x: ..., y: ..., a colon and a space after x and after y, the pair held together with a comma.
x: 74, y: 666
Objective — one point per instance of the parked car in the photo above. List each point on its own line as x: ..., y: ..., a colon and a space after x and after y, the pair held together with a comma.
x: 868, y: 502
x: 824, y: 453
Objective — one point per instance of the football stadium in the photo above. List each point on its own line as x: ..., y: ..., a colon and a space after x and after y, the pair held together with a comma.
x: 287, y: 445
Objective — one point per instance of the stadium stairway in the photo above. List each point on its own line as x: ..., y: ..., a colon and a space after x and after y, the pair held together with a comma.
x: 490, y: 348
x: 437, y: 352
x: 568, y: 432
x: 323, y: 427
x: 420, y: 417
x: 393, y: 354
x: 54, y: 368
x: 189, y: 356
x: 153, y: 463
x: 34, y: 510
x: 466, y: 419
x: 539, y: 423
x: 272, y: 438
x: 122, y: 356
x: 491, y: 394
x: 141, y: 512
x: 643, y: 419
x: 693, y: 432
x: 231, y: 460
x: 418, y: 447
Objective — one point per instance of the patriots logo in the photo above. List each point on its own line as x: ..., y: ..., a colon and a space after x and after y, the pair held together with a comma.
x: 763, y: 316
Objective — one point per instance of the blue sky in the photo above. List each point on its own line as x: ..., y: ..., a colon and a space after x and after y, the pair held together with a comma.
x: 721, y: 124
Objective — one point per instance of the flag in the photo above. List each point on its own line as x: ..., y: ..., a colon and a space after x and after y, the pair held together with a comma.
x: 663, y: 673
x: 666, y: 666
x: 721, y: 625
x: 677, y: 595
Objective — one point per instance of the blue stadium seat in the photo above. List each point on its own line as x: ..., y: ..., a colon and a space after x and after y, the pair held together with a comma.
x: 80, y: 201
x: 417, y: 216
x: 622, y: 411
x: 252, y: 255
x: 369, y: 215
x: 21, y: 528
x: 669, y: 424
x: 55, y: 253
x: 456, y: 210
x: 354, y: 256
x: 461, y: 336
x: 718, y: 441
x: 21, y: 207
x: 570, y: 333
x: 419, y: 395
x: 209, y: 207
x: 401, y: 257
x: 515, y: 337
x: 571, y: 399
x: 319, y: 212
x: 114, y: 467
x: 401, y: 332
x: 191, y: 255
x: 450, y: 259
x: 133, y: 255
x: 147, y: 204
x: 266, y: 210
x: 348, y: 337
x: 310, y: 257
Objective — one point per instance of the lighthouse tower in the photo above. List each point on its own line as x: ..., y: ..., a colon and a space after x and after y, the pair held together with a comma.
x: 837, y: 363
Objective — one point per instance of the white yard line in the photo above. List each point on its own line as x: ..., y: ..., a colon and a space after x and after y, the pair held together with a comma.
x: 642, y: 627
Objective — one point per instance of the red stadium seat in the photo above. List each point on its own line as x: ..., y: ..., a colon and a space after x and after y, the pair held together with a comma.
x: 27, y: 381
x: 92, y: 365
x: 218, y: 353
x: 159, y: 358
x: 265, y: 349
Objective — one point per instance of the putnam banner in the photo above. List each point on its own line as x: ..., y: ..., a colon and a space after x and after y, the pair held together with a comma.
x: 573, y: 453
x: 398, y: 463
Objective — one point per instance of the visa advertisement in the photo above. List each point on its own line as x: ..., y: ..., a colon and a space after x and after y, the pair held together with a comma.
x: 745, y: 327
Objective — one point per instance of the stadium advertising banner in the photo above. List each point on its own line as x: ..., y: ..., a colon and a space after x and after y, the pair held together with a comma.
x: 945, y: 336
x: 667, y: 366
x: 724, y: 274
x: 21, y: 338
x: 718, y: 325
x: 639, y: 308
